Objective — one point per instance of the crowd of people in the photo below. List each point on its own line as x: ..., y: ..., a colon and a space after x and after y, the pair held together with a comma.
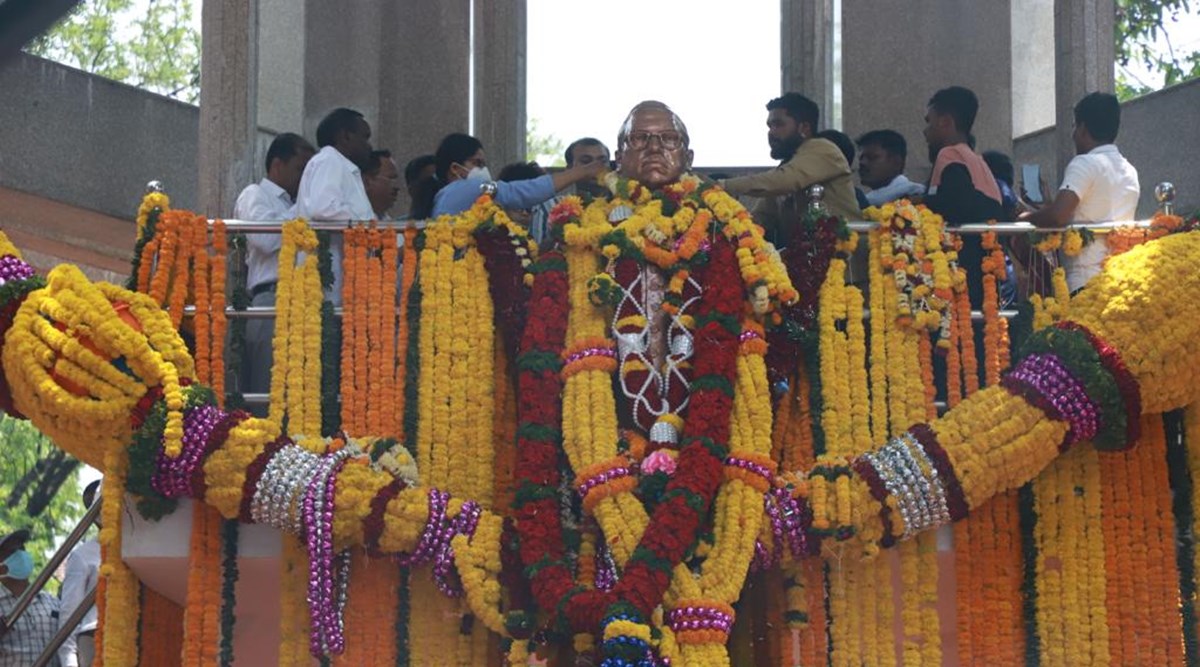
x: 345, y: 178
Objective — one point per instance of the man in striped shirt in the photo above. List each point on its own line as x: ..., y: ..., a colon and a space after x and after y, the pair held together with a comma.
x: 21, y: 644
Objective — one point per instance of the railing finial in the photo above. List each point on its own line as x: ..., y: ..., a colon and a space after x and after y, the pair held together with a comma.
x: 816, y: 196
x: 1165, y: 194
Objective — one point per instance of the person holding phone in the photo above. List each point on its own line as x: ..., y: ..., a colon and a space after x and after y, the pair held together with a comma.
x: 1099, y: 184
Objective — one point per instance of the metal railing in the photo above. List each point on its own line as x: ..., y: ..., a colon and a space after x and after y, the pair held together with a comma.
x: 1164, y: 192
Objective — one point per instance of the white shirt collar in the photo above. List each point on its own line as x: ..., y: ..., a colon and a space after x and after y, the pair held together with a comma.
x: 1104, y: 148
x: 336, y: 155
x: 272, y: 189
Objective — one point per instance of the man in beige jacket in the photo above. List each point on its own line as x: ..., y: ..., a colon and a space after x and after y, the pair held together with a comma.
x: 791, y: 124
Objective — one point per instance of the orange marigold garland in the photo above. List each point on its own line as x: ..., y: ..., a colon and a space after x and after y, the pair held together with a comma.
x: 161, y: 636
x: 220, y: 244
x: 202, y: 322
x: 350, y: 307
x: 202, y: 627
x: 1142, y: 580
x: 389, y: 382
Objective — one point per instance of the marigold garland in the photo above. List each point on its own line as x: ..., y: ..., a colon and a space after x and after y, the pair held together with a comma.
x: 161, y: 634
x: 996, y: 439
x: 202, y: 629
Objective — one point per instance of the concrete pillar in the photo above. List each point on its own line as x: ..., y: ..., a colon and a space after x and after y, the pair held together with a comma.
x: 901, y: 53
x: 405, y: 64
x: 281, y: 43
x: 228, y: 102
x: 806, y: 51
x: 1083, y: 62
x: 1032, y: 81
x: 344, y: 53
x: 500, y: 79
x: 424, y: 82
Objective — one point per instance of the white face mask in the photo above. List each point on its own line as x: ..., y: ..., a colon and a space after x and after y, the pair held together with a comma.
x: 479, y: 174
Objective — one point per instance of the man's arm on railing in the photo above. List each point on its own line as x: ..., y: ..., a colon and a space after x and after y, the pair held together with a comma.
x: 1058, y: 213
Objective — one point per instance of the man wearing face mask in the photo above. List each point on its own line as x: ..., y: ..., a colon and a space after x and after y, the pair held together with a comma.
x: 22, y: 643
x: 462, y: 174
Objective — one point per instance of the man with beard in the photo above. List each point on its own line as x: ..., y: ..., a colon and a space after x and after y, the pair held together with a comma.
x: 806, y: 161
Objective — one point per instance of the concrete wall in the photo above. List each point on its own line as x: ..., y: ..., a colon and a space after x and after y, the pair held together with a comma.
x: 899, y: 53
x: 1159, y: 135
x: 94, y: 143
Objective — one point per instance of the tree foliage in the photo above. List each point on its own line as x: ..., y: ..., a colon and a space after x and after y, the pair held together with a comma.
x: 150, y: 44
x: 545, y: 149
x: 1137, y: 28
x: 38, y: 487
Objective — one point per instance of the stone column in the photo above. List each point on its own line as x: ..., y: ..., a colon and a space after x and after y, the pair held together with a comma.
x: 1083, y: 62
x: 346, y: 48
x: 1032, y: 81
x: 424, y: 79
x: 228, y: 102
x: 899, y: 54
x: 281, y: 80
x: 806, y: 51
x: 500, y: 79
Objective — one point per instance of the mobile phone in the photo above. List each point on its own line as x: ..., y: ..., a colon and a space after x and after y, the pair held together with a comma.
x: 1031, y: 182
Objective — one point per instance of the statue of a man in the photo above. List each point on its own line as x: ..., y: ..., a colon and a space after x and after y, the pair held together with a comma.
x: 652, y: 146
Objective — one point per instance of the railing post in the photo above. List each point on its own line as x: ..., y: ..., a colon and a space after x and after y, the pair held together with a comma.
x: 816, y: 199
x: 1165, y: 194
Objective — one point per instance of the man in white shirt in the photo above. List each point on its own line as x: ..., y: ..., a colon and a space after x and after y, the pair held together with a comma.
x: 83, y: 568
x: 271, y: 199
x: 1099, y: 184
x: 881, y: 159
x: 332, y: 186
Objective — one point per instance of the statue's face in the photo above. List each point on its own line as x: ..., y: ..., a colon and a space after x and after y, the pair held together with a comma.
x: 654, y: 151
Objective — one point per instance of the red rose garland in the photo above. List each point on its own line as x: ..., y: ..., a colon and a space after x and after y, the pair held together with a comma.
x: 677, y: 520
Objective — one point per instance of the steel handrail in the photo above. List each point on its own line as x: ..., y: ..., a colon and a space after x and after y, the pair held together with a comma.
x: 275, y: 227
x: 1002, y: 228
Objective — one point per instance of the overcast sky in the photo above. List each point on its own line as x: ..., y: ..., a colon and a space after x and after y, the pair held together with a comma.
x: 714, y: 62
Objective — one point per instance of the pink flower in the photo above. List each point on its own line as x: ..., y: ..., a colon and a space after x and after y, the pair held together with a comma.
x: 660, y: 460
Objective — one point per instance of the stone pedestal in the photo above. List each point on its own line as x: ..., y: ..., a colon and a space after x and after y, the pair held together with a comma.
x: 157, y: 552
x: 806, y: 51
x: 1083, y: 62
x: 897, y: 54
x: 228, y: 103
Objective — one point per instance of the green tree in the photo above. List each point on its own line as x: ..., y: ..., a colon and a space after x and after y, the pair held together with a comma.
x: 39, y: 487
x: 150, y: 44
x: 1136, y: 31
x: 545, y: 149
